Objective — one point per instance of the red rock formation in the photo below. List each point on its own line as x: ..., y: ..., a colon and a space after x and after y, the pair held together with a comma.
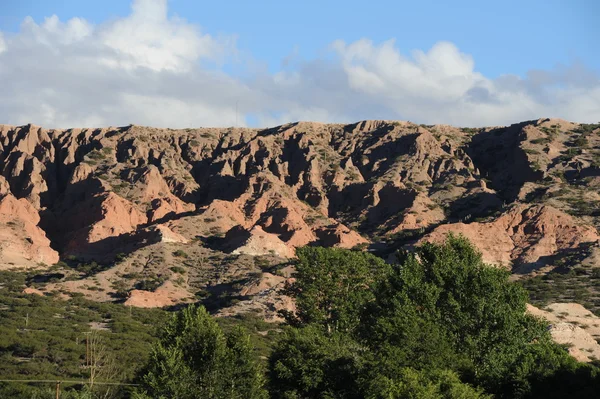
x: 95, y: 191
x: 257, y: 242
x: 524, y: 234
x: 22, y: 242
x: 166, y: 295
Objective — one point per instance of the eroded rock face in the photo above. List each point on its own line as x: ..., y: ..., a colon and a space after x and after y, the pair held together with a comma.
x: 95, y: 225
x: 164, y: 234
x: 166, y: 295
x: 340, y: 236
x: 522, y: 236
x: 22, y: 242
x: 257, y: 242
x: 94, y: 191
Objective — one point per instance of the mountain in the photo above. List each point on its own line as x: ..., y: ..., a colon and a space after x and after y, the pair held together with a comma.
x: 156, y: 217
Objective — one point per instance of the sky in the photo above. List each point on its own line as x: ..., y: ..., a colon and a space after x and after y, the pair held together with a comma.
x: 183, y: 63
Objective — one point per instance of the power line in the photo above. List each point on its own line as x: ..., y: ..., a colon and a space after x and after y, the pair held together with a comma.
x: 84, y: 382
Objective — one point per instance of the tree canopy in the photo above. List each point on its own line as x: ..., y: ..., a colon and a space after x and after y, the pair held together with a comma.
x: 438, y: 323
x: 333, y: 286
x: 195, y: 359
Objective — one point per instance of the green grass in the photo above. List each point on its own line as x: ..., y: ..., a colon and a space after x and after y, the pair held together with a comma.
x: 42, y: 337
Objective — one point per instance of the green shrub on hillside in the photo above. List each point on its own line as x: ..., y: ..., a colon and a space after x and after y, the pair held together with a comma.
x: 43, y: 338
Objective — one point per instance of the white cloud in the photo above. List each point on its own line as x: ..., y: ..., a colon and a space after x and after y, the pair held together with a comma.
x: 442, y: 86
x: 148, y: 38
x: 154, y: 69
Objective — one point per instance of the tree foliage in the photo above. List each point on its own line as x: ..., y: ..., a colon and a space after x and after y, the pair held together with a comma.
x: 195, y: 359
x: 438, y: 324
x: 444, y: 294
x: 333, y: 287
x: 310, y: 363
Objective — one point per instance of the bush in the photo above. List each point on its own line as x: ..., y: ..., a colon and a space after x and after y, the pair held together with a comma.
x: 178, y: 269
x: 180, y: 253
x: 150, y: 284
x: 581, y: 142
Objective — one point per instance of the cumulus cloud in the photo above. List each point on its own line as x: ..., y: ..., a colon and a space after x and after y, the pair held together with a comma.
x: 154, y: 69
x: 148, y: 38
x: 2, y: 43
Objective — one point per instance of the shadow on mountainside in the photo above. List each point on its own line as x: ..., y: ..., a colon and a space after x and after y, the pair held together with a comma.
x: 500, y: 159
x: 563, y: 260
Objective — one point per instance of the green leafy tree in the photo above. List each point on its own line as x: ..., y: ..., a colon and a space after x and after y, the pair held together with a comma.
x: 195, y: 359
x: 310, y: 363
x: 443, y: 296
x: 333, y: 287
x: 439, y: 324
x: 410, y: 383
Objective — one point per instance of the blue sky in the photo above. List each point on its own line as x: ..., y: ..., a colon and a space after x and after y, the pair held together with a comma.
x: 503, y: 36
x: 532, y: 42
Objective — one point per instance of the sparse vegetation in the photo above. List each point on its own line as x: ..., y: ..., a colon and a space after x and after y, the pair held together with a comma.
x: 180, y: 253
x: 542, y: 140
x: 579, y: 285
x: 178, y: 269
x: 587, y: 128
x: 581, y: 142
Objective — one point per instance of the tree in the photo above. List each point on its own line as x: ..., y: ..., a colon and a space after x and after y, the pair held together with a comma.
x: 310, y: 363
x: 439, y: 324
x: 443, y: 296
x: 333, y: 287
x: 101, y: 366
x: 410, y: 383
x: 195, y: 359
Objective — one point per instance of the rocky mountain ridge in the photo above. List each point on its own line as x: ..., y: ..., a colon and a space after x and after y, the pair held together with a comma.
x: 134, y: 208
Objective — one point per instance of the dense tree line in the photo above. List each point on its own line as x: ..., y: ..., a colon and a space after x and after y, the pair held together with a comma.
x: 438, y: 323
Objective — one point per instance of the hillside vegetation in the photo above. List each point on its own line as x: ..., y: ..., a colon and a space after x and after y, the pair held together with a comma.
x: 438, y: 323
x: 328, y: 243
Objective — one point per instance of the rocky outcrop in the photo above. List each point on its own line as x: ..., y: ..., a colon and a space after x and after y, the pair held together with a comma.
x: 522, y: 236
x: 257, y: 242
x: 22, y: 242
x: 166, y: 295
x: 95, y: 225
x: 523, y: 193
x: 339, y: 236
x: 164, y: 234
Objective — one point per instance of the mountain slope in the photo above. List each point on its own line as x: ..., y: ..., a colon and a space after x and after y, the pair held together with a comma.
x: 116, y: 204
